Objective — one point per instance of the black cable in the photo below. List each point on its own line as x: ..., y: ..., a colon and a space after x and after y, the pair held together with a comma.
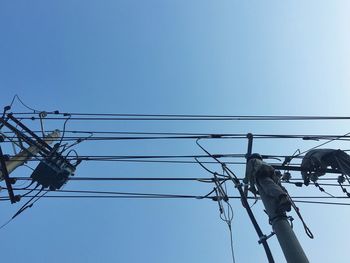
x: 321, y: 203
x: 143, y: 161
x: 116, y: 138
x: 317, y: 146
x: 199, y: 117
x: 26, y: 106
x: 30, y: 190
x: 209, y: 179
x: 208, y: 170
x: 64, y: 131
x: 322, y: 144
x: 200, y: 179
x: 78, y: 140
x: 297, y: 211
x: 209, y: 135
x: 229, y: 217
x: 190, y: 118
x: 27, y: 205
x: 311, y: 183
x: 24, y: 207
x: 148, y: 196
x: 167, y: 197
x: 171, y: 195
x: 119, y: 157
x: 123, y: 193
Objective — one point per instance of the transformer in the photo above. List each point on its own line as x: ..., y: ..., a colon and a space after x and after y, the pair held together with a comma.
x: 53, y: 171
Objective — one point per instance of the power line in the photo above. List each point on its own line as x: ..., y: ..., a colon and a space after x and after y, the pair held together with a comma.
x: 127, y: 116
x: 179, y: 135
x: 159, y: 197
x: 129, y: 179
x: 164, y: 194
x: 73, y: 178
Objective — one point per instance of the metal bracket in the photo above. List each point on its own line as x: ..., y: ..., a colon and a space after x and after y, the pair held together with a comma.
x: 7, y: 179
x: 249, y: 153
x: 265, y: 237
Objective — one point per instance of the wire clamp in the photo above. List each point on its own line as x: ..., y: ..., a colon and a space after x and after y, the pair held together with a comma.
x: 265, y: 237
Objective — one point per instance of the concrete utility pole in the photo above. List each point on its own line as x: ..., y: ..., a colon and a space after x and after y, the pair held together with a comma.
x: 26, y: 154
x: 289, y: 243
x: 276, y: 202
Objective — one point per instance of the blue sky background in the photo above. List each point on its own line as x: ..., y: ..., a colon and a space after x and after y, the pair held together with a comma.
x: 172, y: 57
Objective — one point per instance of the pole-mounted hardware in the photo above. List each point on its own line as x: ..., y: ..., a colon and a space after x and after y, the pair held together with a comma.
x: 53, y: 170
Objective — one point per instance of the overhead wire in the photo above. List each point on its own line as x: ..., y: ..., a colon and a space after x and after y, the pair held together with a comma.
x: 193, y: 135
x: 145, y: 117
x: 237, y: 184
x: 128, y: 116
x: 81, y: 178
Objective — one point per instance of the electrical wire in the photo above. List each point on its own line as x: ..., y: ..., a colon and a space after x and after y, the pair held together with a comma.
x: 179, y: 135
x: 64, y: 131
x: 161, y: 197
x: 245, y: 203
x: 23, y: 104
x: 127, y: 116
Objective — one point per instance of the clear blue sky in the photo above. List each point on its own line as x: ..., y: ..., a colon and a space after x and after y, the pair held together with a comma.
x: 172, y: 57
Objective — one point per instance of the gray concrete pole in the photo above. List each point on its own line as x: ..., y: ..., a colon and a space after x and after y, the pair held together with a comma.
x: 289, y: 243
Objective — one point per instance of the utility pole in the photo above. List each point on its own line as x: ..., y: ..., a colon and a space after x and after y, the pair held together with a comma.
x: 287, y: 239
x: 53, y: 169
x: 26, y: 154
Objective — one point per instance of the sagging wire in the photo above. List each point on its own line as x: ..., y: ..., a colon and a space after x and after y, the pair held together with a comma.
x: 297, y: 211
x: 286, y: 177
x: 56, y: 112
x: 30, y: 191
x: 30, y: 184
x: 79, y: 140
x: 26, y: 106
x: 322, y: 144
x: 27, y: 205
x: 245, y: 203
x: 217, y: 182
x: 63, y: 133
x: 229, y: 218
x: 221, y: 195
x: 208, y: 170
